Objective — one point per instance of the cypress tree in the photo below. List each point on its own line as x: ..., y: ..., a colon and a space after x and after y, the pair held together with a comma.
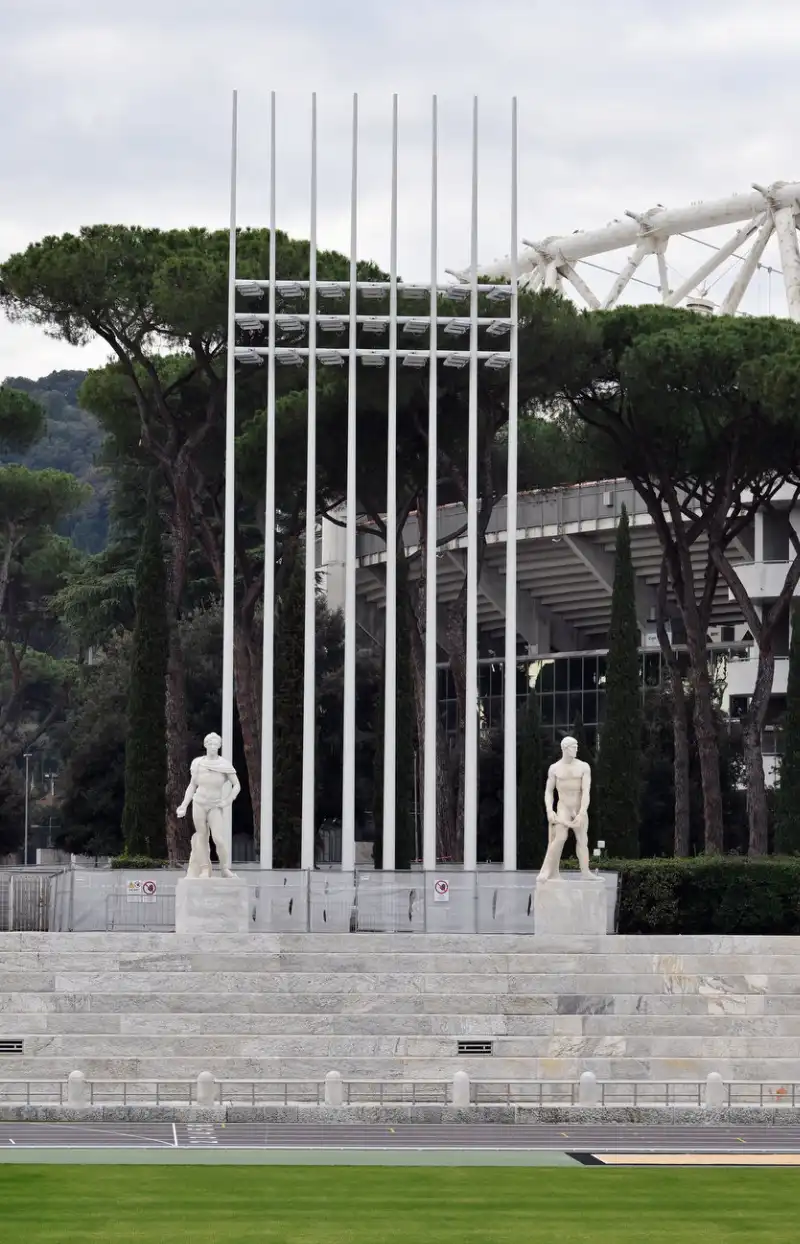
x: 787, y: 796
x: 405, y: 846
x: 144, y: 811
x: 618, y: 767
x: 288, y: 718
x: 532, y: 832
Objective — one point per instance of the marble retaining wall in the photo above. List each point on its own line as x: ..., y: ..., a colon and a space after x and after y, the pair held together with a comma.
x: 373, y: 1006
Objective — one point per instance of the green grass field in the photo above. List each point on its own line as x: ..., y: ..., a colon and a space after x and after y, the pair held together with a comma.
x: 379, y: 1205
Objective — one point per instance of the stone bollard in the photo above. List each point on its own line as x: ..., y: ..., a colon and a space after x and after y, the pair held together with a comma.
x: 715, y: 1091
x: 205, y: 1089
x: 588, y: 1090
x: 334, y: 1089
x: 77, y: 1089
x: 461, y: 1093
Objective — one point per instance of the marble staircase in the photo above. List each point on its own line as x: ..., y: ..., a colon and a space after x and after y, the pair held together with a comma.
x: 294, y: 1006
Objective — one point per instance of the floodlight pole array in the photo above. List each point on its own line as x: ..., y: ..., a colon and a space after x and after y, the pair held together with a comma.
x: 284, y: 319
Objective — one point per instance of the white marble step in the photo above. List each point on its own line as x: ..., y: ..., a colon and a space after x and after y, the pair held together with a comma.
x: 720, y: 1003
x: 395, y: 943
x: 366, y: 1024
x: 57, y: 962
x: 564, y: 1068
x: 389, y: 983
x: 334, y: 1048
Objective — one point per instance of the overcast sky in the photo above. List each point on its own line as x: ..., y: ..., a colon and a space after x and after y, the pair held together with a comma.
x: 121, y: 113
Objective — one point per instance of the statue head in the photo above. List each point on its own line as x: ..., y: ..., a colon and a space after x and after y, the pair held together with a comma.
x: 569, y: 748
x: 212, y: 743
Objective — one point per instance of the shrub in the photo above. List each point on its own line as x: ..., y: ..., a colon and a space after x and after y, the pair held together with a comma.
x: 708, y: 895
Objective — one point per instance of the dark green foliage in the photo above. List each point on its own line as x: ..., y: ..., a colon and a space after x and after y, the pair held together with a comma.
x: 585, y: 752
x: 405, y: 727
x: 617, y: 772
x: 657, y: 807
x: 787, y: 796
x: 72, y: 442
x: 143, y: 817
x: 140, y: 862
x: 12, y: 803
x: 92, y: 746
x: 708, y: 895
x: 288, y: 720
x: 532, y: 766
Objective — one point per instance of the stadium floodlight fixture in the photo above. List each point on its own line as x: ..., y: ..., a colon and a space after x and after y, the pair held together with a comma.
x: 331, y: 324
x: 497, y: 362
x: 374, y: 293
x: 457, y: 293
x: 330, y: 358
x: 249, y: 357
x: 289, y: 324
x: 250, y: 289
x: 415, y: 328
x: 500, y: 293
x: 456, y: 360
x: 291, y: 291
x: 250, y: 323
x: 373, y: 360
x: 374, y: 325
x: 414, y: 292
x: 288, y: 358
x: 415, y: 360
x: 498, y: 328
x: 332, y: 289
x: 457, y: 328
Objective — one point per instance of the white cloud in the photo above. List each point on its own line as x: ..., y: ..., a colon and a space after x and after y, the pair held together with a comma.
x: 123, y: 115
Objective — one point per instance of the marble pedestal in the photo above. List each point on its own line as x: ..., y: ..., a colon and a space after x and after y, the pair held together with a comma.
x: 574, y: 907
x: 211, y: 905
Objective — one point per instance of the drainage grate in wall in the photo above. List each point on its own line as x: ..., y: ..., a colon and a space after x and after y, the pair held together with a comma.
x: 10, y: 1047
x: 475, y: 1047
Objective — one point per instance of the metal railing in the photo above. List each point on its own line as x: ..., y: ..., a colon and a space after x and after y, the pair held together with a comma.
x: 355, y: 1092
x: 363, y: 901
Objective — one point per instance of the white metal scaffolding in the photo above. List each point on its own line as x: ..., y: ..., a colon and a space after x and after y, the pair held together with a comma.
x: 302, y: 309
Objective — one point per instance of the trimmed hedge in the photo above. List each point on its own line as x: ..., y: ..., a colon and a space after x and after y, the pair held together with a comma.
x: 140, y: 862
x: 708, y: 895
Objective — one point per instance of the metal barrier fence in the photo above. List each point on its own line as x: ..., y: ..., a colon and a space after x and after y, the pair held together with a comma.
x: 447, y: 901
x: 540, y: 1093
x: 27, y: 897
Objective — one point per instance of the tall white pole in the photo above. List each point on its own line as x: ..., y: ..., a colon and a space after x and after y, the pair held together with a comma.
x: 390, y: 636
x: 510, y: 667
x: 310, y: 633
x: 429, y: 794
x: 268, y: 649
x: 471, y: 710
x: 349, y: 715
x: 229, y: 562
x: 27, y: 805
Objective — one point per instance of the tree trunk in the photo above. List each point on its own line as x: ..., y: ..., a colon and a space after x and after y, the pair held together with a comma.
x: 753, y: 724
x: 455, y: 647
x: 445, y: 807
x: 680, y: 724
x: 680, y: 737
x: 247, y: 671
x: 708, y: 755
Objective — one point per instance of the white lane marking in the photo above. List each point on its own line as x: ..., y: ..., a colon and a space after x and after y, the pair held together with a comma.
x: 175, y: 1135
x: 11, y: 1142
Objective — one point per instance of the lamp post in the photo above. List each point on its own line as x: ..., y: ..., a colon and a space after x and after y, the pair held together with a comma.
x: 27, y: 806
